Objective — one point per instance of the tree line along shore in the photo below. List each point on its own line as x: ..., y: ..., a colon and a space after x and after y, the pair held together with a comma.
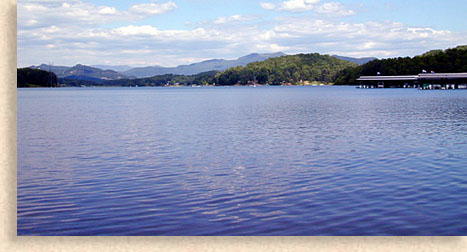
x: 300, y: 69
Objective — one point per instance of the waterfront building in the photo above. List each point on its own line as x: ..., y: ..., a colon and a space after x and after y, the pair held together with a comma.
x: 422, y: 81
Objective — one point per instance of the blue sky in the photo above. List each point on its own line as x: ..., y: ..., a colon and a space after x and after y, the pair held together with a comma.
x: 173, y: 32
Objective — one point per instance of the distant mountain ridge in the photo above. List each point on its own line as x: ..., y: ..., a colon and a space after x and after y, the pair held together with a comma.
x: 58, y: 70
x: 204, y: 66
x: 359, y: 61
x: 118, y: 68
x: 81, y: 72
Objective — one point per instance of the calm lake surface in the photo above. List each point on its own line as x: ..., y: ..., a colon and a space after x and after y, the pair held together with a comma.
x: 242, y: 161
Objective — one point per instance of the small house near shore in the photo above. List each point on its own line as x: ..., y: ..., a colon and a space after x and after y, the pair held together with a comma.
x: 422, y: 81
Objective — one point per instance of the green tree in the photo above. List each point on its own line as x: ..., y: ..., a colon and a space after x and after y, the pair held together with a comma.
x: 28, y: 77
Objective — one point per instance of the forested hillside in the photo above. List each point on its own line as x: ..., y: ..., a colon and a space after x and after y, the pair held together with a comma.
x: 28, y: 77
x: 292, y: 69
x: 449, y: 61
x: 167, y: 79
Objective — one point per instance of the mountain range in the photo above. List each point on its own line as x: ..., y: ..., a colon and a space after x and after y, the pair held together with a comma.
x: 118, y: 68
x: 359, y: 61
x: 204, y: 66
x: 96, y: 72
x: 82, y: 72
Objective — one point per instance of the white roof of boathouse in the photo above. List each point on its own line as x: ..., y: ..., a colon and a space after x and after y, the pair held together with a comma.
x: 388, y: 78
x: 426, y: 76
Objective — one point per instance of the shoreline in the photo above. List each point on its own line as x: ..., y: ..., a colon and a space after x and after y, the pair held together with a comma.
x: 177, y: 86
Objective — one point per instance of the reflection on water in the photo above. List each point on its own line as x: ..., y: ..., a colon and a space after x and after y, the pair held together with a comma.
x: 242, y: 161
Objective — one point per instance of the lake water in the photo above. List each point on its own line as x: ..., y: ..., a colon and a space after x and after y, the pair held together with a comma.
x: 242, y: 161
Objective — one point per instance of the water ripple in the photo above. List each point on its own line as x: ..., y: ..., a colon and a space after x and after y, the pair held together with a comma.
x: 241, y: 161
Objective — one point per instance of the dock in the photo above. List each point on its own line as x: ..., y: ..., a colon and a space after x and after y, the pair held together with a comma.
x: 421, y: 81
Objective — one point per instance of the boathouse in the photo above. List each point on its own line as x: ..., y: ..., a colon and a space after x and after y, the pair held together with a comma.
x: 422, y: 81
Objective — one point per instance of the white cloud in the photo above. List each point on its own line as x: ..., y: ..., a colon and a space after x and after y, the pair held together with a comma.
x: 166, y: 37
x: 107, y: 10
x: 268, y: 6
x: 380, y: 39
x: 271, y: 47
x: 329, y: 8
x: 33, y: 13
x: 291, y: 5
x: 132, y: 30
x: 231, y: 19
x: 334, y: 8
x: 298, y: 5
x: 153, y: 8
